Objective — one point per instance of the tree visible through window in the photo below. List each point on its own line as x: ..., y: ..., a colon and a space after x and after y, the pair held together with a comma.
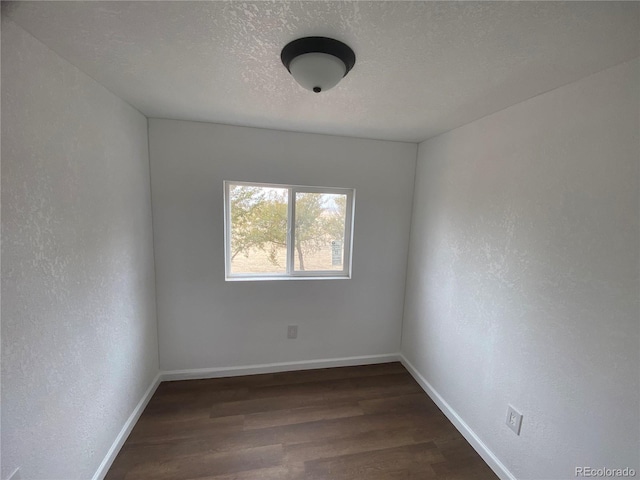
x: 276, y: 230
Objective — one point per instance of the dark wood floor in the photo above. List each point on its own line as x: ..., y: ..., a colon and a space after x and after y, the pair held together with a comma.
x: 371, y: 423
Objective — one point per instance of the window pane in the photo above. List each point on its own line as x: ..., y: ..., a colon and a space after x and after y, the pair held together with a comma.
x: 319, y: 231
x: 258, y: 218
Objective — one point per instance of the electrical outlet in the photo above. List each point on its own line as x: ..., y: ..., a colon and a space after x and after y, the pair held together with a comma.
x: 15, y: 475
x: 292, y: 331
x: 514, y: 420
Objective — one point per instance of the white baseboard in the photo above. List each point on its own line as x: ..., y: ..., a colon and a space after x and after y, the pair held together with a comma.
x: 15, y: 475
x: 126, y: 430
x: 479, y: 446
x: 199, y: 373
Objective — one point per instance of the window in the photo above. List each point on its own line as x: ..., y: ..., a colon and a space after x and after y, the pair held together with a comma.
x: 285, y: 231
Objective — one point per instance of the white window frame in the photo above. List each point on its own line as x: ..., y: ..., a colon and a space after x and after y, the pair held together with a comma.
x: 291, y: 273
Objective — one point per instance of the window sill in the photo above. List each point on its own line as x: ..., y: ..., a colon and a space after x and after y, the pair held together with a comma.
x: 285, y: 277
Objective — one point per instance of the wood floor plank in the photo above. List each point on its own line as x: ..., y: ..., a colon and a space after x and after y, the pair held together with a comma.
x: 411, y: 402
x: 415, y: 458
x: 322, y: 374
x: 179, y: 468
x: 136, y: 453
x: 465, y: 469
x: 282, y: 472
x: 304, y: 397
x: 329, y: 430
x: 334, y: 388
x: 193, y: 398
x: 350, y: 423
x: 438, y: 429
x: 292, y: 416
x: 364, y: 442
x: 147, y: 430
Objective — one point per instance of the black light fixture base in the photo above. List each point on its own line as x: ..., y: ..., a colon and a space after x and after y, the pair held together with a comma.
x: 318, y: 45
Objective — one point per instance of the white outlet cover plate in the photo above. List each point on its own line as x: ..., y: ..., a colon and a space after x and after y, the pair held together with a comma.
x: 514, y: 420
x: 292, y: 331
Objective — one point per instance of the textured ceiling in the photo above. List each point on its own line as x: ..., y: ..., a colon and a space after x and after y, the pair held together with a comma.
x: 422, y: 67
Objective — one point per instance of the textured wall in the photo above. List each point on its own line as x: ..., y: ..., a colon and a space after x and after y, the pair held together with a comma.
x: 79, y: 336
x: 523, y: 275
x: 205, y: 322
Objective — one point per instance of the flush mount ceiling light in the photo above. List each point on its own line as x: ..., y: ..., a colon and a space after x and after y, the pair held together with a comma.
x: 318, y: 63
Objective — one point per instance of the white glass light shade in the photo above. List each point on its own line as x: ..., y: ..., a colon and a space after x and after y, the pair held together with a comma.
x: 317, y: 72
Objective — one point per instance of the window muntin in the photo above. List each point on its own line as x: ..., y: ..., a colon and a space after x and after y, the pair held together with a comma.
x: 285, y: 231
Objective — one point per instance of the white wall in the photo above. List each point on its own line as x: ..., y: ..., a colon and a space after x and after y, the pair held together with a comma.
x: 205, y: 322
x: 79, y: 336
x: 523, y: 283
